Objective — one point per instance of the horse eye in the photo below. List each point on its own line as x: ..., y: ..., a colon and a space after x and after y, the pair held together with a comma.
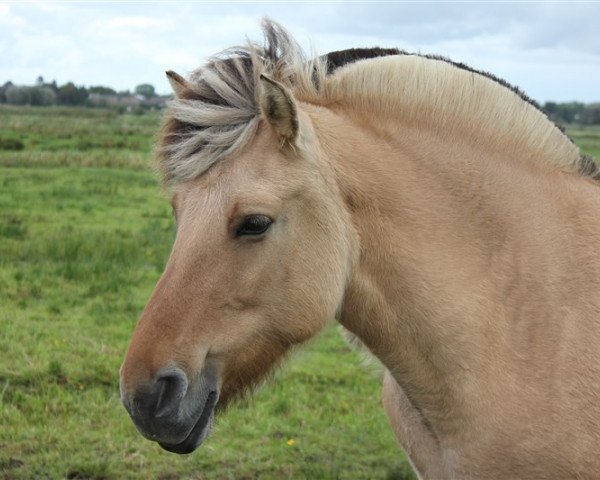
x: 254, y: 225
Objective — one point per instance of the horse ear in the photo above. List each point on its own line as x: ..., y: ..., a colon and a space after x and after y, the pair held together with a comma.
x: 279, y: 108
x: 180, y: 85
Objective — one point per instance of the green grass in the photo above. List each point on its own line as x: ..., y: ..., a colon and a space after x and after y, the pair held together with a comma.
x: 84, y: 234
x: 75, y: 137
x: 587, y: 137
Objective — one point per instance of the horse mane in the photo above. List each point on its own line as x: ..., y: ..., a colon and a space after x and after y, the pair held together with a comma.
x: 220, y: 114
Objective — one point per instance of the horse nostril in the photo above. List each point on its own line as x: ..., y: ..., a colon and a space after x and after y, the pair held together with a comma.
x: 172, y: 388
x: 164, y: 395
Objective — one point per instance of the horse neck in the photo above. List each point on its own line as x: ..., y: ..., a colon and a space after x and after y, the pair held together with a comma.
x: 442, y: 223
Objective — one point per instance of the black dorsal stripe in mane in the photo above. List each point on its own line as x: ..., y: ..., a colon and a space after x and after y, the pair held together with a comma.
x: 340, y: 58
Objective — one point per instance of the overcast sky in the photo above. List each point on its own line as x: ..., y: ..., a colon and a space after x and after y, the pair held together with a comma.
x: 549, y: 49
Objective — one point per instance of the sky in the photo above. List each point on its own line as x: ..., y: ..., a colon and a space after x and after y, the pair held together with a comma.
x: 551, y: 50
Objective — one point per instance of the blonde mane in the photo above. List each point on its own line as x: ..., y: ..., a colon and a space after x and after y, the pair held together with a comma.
x: 219, y: 116
x: 436, y: 94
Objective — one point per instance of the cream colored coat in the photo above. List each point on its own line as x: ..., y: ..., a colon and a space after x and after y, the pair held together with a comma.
x: 431, y: 211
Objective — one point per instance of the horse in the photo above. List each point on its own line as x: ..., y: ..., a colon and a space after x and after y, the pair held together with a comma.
x: 432, y: 210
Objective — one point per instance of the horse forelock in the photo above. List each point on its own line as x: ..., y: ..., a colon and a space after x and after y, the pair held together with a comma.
x: 219, y: 116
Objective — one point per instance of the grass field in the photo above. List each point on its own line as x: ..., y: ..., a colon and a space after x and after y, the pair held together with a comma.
x: 587, y: 137
x: 84, y: 234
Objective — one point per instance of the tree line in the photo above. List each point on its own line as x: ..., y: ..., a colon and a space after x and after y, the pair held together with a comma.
x: 573, y: 112
x: 50, y: 93
x: 144, y: 95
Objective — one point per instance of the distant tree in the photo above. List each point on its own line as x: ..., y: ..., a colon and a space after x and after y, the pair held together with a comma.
x: 40, y: 81
x: 551, y: 108
x: 42, y: 96
x: 17, y: 95
x: 39, y: 96
x: 3, y: 90
x: 591, y: 114
x: 145, y: 90
x: 570, y: 112
x: 102, y: 90
x: 69, y: 94
x: 574, y: 112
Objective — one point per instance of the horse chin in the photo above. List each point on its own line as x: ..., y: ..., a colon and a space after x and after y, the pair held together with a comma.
x: 200, y: 430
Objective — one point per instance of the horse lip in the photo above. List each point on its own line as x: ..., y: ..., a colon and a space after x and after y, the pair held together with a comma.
x: 200, y: 430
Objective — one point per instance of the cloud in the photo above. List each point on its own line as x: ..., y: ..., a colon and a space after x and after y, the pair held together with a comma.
x: 137, y: 23
x: 544, y: 47
x: 10, y: 21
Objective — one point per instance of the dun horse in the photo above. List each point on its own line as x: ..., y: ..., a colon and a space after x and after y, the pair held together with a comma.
x: 432, y: 210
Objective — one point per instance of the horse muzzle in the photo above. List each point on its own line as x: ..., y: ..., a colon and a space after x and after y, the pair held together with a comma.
x: 171, y: 410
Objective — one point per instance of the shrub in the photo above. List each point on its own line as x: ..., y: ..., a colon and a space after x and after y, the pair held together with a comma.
x: 30, y: 96
x: 11, y: 144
